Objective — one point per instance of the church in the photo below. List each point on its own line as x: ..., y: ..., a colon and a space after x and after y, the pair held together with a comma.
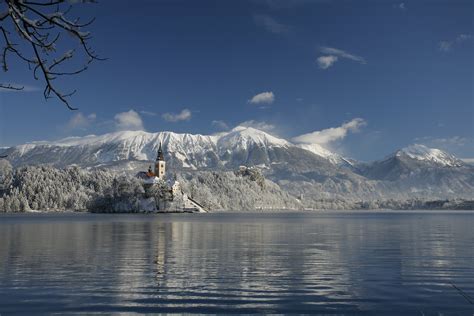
x: 153, y: 176
x: 158, y: 175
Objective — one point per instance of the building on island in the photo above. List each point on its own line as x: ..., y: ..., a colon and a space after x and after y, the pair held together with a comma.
x: 157, y: 176
x: 153, y: 176
x: 160, y: 164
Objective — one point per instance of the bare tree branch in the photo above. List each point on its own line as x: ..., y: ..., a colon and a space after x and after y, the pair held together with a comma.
x: 40, y: 25
x: 10, y: 87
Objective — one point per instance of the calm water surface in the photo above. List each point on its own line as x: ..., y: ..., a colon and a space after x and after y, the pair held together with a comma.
x: 332, y: 262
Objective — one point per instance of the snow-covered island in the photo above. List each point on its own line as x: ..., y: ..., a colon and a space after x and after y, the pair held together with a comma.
x: 164, y: 195
x: 45, y: 188
x: 72, y: 189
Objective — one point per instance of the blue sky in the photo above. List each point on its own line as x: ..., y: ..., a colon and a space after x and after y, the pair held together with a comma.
x: 373, y: 76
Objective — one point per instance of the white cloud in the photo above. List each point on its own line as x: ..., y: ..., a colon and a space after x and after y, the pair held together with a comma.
x: 333, y: 55
x: 270, y: 24
x: 325, y: 62
x: 220, y: 124
x: 264, y: 97
x: 184, y: 115
x: 446, y: 46
x: 341, y: 53
x: 263, y: 126
x: 80, y: 121
x: 332, y: 134
x: 130, y: 120
x: 402, y: 6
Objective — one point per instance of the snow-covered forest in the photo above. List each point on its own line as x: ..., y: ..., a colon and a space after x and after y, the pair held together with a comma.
x: 74, y: 189
x: 240, y: 190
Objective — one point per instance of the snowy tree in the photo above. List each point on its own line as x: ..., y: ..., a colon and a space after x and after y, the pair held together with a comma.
x: 232, y: 191
x: 32, y: 32
x: 6, y: 174
x: 74, y: 189
x: 161, y: 193
x: 254, y: 174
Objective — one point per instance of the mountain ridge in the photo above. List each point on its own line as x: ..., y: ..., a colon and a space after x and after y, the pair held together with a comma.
x: 236, y: 139
x: 300, y: 169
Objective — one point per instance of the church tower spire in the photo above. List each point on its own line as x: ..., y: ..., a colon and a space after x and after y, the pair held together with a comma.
x: 160, y: 164
x: 160, y: 156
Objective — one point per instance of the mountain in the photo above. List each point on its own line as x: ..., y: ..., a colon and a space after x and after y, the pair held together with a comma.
x: 94, y: 151
x: 240, y: 146
x: 323, y: 152
x: 434, y: 156
x: 411, y: 161
x: 307, y: 170
x: 419, y: 171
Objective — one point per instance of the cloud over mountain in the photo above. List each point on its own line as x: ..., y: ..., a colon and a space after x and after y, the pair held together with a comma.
x: 80, y: 121
x: 263, y: 126
x: 184, y: 115
x: 331, y: 134
x: 130, y: 120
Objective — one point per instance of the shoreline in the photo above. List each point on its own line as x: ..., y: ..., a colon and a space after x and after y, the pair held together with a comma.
x: 266, y: 211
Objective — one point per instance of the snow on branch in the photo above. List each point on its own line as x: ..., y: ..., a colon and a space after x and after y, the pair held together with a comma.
x: 33, y: 31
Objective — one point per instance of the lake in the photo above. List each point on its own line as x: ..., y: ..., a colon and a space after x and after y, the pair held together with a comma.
x: 419, y: 263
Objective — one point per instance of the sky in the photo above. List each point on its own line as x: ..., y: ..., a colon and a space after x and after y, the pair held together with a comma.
x: 362, y: 78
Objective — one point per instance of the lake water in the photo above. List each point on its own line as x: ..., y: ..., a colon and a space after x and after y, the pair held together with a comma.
x: 419, y: 263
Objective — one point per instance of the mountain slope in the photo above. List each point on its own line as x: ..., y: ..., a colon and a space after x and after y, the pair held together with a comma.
x: 411, y: 161
x: 434, y: 156
x: 240, y: 146
x: 308, y: 170
x: 419, y: 171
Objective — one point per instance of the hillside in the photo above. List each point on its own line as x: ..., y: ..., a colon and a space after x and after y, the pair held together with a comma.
x: 307, y: 170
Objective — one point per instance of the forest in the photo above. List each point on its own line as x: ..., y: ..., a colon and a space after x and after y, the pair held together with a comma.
x: 45, y: 188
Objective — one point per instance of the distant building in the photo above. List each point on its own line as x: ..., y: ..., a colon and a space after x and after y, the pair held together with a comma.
x: 152, y: 177
x: 159, y: 173
x: 175, y: 187
x: 160, y: 164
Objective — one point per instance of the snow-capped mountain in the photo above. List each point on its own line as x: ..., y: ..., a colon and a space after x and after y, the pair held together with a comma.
x: 306, y: 169
x: 242, y: 138
x: 329, y: 155
x: 413, y: 161
x: 429, y: 155
x: 242, y: 145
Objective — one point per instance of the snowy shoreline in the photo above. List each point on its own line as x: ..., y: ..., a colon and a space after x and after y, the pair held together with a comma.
x: 264, y: 211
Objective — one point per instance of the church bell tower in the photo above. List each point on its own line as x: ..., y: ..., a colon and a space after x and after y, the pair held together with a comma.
x: 160, y: 164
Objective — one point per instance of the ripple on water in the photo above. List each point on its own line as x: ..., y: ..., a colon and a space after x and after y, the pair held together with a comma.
x: 391, y: 264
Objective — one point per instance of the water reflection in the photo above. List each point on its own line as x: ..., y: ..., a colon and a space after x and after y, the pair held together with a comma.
x: 388, y: 263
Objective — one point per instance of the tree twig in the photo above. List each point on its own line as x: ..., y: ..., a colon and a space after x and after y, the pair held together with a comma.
x: 40, y: 24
